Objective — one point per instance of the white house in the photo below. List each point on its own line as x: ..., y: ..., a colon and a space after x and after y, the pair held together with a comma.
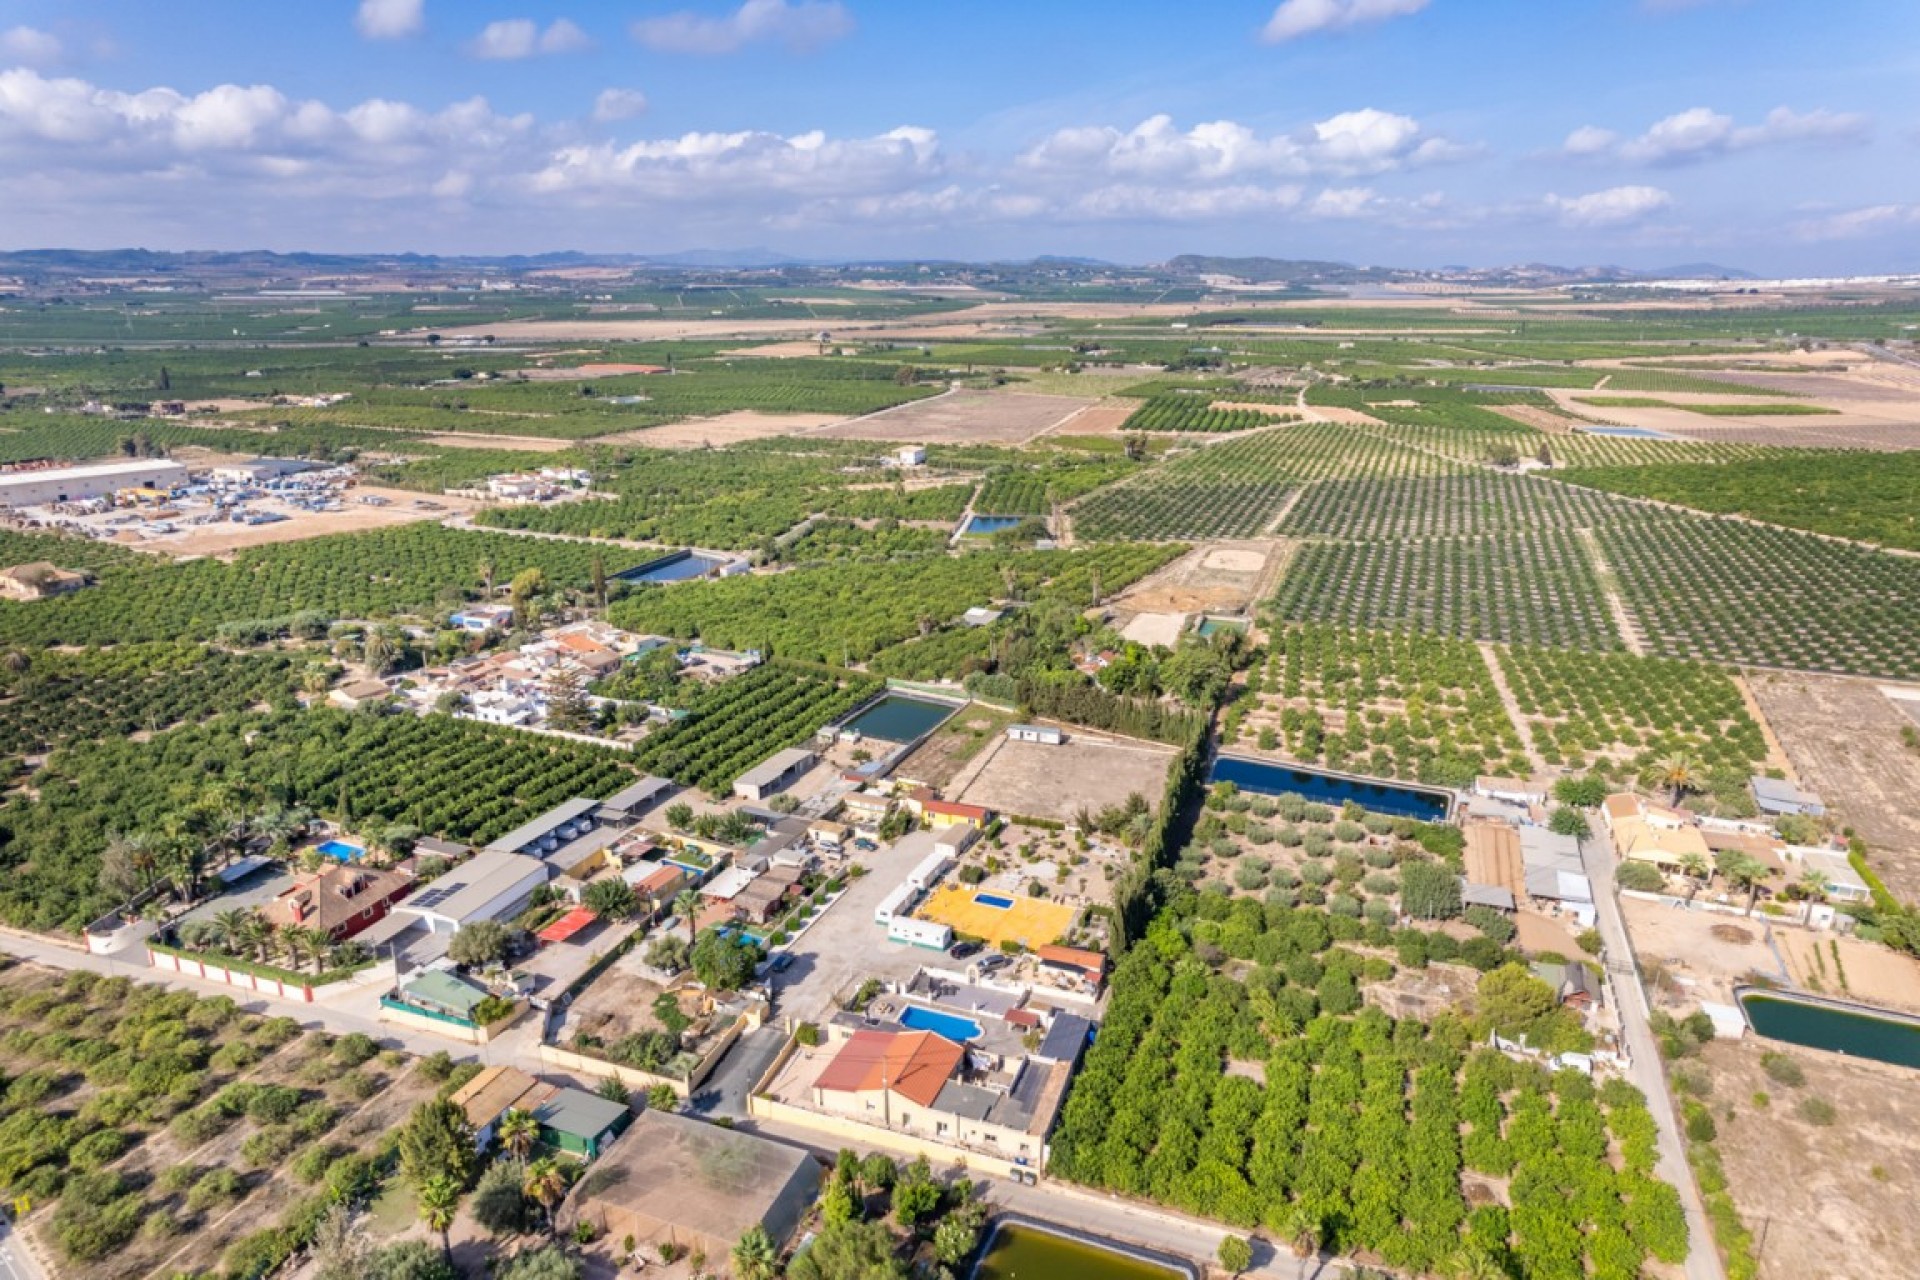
x: 494, y: 884
x: 1041, y: 733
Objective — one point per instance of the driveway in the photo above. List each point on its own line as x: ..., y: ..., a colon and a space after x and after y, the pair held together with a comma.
x: 844, y: 947
x: 1645, y: 1070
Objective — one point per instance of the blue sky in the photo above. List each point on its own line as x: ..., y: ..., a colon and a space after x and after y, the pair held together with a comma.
x: 1775, y: 135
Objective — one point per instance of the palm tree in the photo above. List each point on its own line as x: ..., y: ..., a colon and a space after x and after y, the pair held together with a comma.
x: 229, y: 928
x: 377, y: 650
x: 546, y: 1185
x: 755, y: 1256
x: 1694, y: 865
x: 1475, y: 1263
x: 518, y: 1132
x: 1302, y: 1228
x: 485, y: 570
x: 258, y: 937
x: 1745, y: 872
x: 1814, y: 885
x: 439, y: 1200
x: 686, y: 905
x: 311, y: 944
x: 1679, y: 773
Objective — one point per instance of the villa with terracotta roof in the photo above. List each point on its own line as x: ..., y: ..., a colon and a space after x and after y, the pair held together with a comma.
x: 339, y: 901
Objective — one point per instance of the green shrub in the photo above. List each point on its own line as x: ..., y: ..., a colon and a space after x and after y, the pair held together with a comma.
x: 1782, y: 1069
x: 1816, y: 1111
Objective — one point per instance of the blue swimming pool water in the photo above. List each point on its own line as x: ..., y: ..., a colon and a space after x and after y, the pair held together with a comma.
x: 978, y: 525
x: 1640, y: 432
x: 899, y: 719
x: 993, y: 900
x: 1389, y: 798
x: 946, y: 1025
x: 341, y: 851
x: 678, y: 567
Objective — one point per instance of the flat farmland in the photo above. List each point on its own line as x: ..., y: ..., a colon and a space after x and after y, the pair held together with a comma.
x: 962, y: 417
x: 722, y: 429
x: 1088, y: 771
x: 1843, y: 737
x: 1223, y: 576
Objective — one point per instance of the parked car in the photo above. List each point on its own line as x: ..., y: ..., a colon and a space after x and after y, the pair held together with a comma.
x: 995, y: 961
x: 781, y: 962
x: 961, y: 950
x: 865, y: 845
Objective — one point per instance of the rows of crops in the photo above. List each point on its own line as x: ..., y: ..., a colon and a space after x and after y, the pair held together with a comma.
x: 1237, y: 488
x: 456, y: 778
x: 1866, y: 496
x: 741, y: 722
x: 1191, y: 411
x: 55, y: 696
x: 1730, y: 591
x: 1579, y: 449
x: 845, y: 613
x: 1477, y: 502
x: 1027, y: 489
x: 416, y: 569
x: 1393, y: 704
x: 1527, y: 587
x: 1621, y: 713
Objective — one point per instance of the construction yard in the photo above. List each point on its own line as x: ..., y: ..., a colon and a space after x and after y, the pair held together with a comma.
x: 1087, y: 771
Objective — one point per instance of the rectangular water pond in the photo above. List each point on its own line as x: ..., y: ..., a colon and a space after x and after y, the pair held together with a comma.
x: 980, y: 526
x: 676, y: 567
x: 897, y: 718
x: 1639, y: 433
x: 1017, y: 1251
x: 1391, y: 798
x: 951, y: 1026
x: 1817, y: 1024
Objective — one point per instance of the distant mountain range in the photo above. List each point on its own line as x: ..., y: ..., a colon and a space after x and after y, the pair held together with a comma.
x: 48, y: 265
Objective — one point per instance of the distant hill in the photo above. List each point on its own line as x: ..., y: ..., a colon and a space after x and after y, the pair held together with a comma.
x: 1698, y: 271
x: 1279, y: 270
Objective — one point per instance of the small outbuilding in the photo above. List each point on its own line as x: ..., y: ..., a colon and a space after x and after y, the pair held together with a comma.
x: 774, y: 774
x: 1780, y: 798
x: 1044, y: 734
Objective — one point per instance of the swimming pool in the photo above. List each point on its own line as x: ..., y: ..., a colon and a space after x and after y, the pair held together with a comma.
x: 1429, y: 804
x: 340, y: 850
x: 981, y: 525
x: 993, y: 900
x: 1637, y: 432
x: 948, y: 1026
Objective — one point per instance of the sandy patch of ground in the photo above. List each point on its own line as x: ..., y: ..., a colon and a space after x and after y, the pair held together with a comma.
x: 1704, y: 953
x: 962, y: 417
x: 224, y: 539
x: 777, y: 350
x: 1874, y: 974
x: 1219, y: 576
x: 1531, y: 415
x: 720, y: 430
x: 1155, y: 628
x: 1843, y: 737
x: 938, y: 760
x: 1821, y: 1200
x: 1096, y: 420
x: 467, y: 440
x: 584, y: 372
x: 1089, y: 771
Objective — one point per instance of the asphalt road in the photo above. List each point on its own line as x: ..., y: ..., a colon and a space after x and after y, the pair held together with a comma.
x: 16, y: 1261
x: 1645, y: 1070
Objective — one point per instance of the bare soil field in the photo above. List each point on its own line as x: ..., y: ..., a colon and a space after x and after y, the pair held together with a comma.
x: 1528, y: 415
x: 1222, y: 576
x: 1096, y: 420
x: 721, y: 430
x: 938, y: 760
x: 1155, y: 628
x: 1088, y: 771
x: 466, y: 440
x: 1705, y: 953
x: 1821, y: 1200
x: 1873, y: 973
x: 1843, y: 737
x: 225, y: 539
x: 962, y: 417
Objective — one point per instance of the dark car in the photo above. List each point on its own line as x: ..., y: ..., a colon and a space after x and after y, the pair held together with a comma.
x: 781, y: 962
x: 961, y: 950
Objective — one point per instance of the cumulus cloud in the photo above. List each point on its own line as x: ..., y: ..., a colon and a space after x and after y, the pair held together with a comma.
x: 1856, y: 223
x: 1614, y: 207
x: 1701, y: 133
x: 1367, y: 141
x: 30, y: 46
x: 618, y: 104
x: 514, y: 38
x: 801, y: 26
x: 1296, y: 18
x: 391, y: 19
x: 751, y: 164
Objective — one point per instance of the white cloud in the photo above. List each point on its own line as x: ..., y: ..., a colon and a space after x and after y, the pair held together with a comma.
x: 745, y: 165
x: 618, y: 104
x: 1616, y: 206
x: 30, y: 46
x: 514, y: 38
x: 1856, y: 223
x: 802, y: 26
x: 1701, y: 133
x: 391, y: 19
x: 1367, y: 141
x: 1342, y: 202
x: 1296, y: 18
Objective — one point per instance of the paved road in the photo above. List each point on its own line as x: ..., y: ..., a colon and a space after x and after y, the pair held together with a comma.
x: 1645, y: 1070
x: 16, y: 1260
x: 725, y: 1091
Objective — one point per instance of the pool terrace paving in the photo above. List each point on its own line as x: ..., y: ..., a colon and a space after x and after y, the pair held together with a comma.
x: 1032, y: 922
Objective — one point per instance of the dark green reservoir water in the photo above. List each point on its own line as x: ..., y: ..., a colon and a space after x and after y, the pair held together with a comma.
x: 1027, y: 1253
x: 1837, y: 1030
